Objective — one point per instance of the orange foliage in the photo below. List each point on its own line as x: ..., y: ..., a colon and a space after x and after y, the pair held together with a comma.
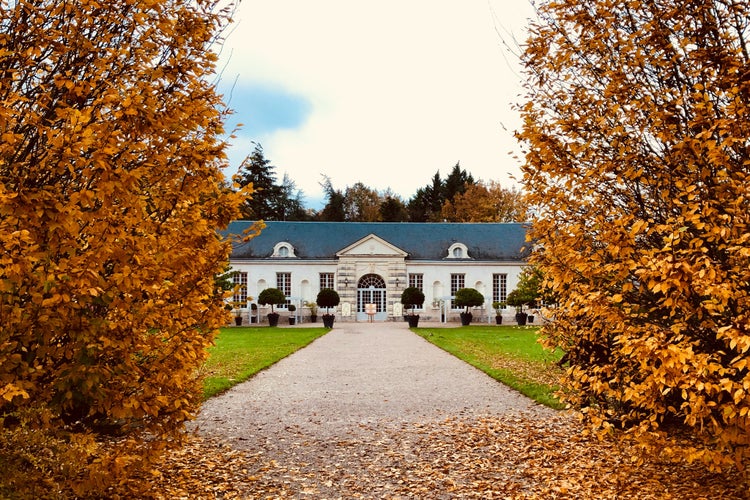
x: 110, y: 200
x: 485, y: 203
x: 637, y: 124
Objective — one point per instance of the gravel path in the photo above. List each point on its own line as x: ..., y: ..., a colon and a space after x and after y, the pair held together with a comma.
x: 364, y: 394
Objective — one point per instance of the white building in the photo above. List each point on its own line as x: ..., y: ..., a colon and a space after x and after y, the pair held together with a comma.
x: 372, y: 263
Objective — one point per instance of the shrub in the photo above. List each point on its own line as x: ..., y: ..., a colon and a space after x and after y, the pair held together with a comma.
x: 412, y: 297
x: 272, y: 296
x: 639, y: 178
x: 517, y: 299
x: 313, y: 308
x: 468, y: 297
x: 327, y: 298
x: 111, y: 196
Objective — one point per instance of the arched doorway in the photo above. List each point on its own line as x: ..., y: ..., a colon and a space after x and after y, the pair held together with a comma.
x: 371, y: 290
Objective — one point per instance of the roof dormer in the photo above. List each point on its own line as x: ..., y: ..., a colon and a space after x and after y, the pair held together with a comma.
x: 458, y: 251
x: 283, y: 250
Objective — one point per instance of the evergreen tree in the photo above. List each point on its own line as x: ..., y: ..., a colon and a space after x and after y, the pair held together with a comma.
x: 417, y: 207
x: 334, y: 209
x: 256, y: 170
x: 270, y: 201
x: 435, y: 197
x: 456, y: 183
x: 426, y: 204
x: 392, y: 209
x: 289, y: 205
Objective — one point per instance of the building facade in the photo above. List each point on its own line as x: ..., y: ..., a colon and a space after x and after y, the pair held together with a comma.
x: 373, y: 262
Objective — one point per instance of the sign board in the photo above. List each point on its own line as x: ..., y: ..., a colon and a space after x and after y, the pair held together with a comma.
x: 371, y: 310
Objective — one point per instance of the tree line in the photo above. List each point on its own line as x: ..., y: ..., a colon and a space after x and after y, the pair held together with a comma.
x: 456, y: 198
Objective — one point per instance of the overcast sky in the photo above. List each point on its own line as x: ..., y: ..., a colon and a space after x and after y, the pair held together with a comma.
x: 386, y: 93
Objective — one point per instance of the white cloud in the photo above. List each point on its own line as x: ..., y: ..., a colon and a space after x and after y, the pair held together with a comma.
x: 397, y: 89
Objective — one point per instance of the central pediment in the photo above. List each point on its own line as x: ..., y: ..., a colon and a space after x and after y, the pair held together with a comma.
x: 371, y: 246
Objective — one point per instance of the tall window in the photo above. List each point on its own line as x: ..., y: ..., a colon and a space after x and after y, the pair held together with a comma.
x: 499, y: 288
x: 239, y: 280
x: 326, y: 280
x: 284, y: 283
x: 457, y: 282
x: 416, y: 281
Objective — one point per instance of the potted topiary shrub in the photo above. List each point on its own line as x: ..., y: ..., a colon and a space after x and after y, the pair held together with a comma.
x: 313, y: 311
x: 468, y: 297
x: 291, y: 309
x: 527, y: 293
x: 517, y: 300
x: 272, y: 296
x: 253, y: 313
x: 412, y: 297
x: 328, y: 298
x: 498, y: 307
x: 237, y: 313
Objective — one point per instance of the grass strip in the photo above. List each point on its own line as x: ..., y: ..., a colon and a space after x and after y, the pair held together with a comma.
x: 509, y: 354
x: 241, y: 352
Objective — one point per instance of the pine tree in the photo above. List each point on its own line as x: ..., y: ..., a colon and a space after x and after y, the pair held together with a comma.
x: 334, y: 209
x: 257, y: 171
x: 393, y: 209
x: 456, y: 183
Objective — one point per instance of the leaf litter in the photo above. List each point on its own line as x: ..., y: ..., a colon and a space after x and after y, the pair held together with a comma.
x: 516, y: 456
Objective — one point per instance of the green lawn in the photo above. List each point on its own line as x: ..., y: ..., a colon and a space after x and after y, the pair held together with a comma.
x: 509, y: 354
x: 241, y: 352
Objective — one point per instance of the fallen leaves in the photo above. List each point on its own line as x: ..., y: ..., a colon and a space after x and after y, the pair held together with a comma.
x: 510, y: 457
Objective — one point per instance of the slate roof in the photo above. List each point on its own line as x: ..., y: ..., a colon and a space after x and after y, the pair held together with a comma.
x: 422, y: 241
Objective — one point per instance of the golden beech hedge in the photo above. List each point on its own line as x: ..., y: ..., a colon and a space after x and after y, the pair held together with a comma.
x: 111, y: 196
x: 636, y: 128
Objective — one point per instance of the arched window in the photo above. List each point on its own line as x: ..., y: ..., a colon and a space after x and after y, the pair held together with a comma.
x: 283, y: 250
x: 458, y: 251
x: 371, y: 280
